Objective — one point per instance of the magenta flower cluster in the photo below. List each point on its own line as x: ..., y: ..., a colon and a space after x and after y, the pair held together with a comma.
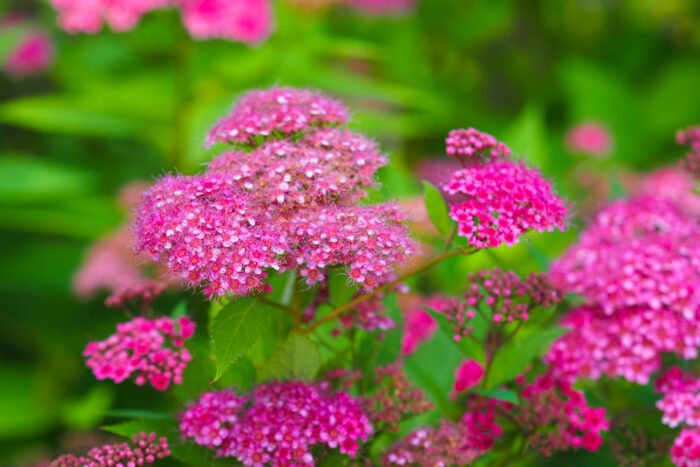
x: 691, y: 137
x: 151, y: 351
x: 590, y: 138
x: 500, y: 199
x: 508, y: 297
x: 467, y: 375
x: 419, y: 325
x: 685, y: 451
x: 239, y: 20
x: 281, y: 204
x: 276, y: 424
x: 31, y: 54
x: 681, y: 398
x: 146, y: 449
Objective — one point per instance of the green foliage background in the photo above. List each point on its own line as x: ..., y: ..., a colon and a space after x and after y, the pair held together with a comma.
x: 118, y: 107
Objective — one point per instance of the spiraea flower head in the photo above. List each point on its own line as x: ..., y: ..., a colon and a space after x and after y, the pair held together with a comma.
x: 419, y: 324
x: 472, y: 146
x: 326, y: 166
x: 638, y: 253
x: 673, y: 184
x: 681, y: 398
x: 150, y: 351
x: 590, y: 138
x: 467, y: 375
x: 508, y: 298
x: 248, y: 21
x: 144, y: 450
x: 88, y: 15
x: 502, y: 200
x: 691, y: 137
x: 280, y: 204
x: 32, y: 55
x: 685, y: 451
x: 276, y: 424
x: 275, y: 112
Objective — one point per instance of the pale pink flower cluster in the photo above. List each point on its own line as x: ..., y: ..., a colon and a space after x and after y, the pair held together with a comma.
x: 640, y: 252
x: 152, y: 351
x: 467, y: 375
x: 276, y: 424
x: 691, y: 137
x: 238, y: 20
x: 681, y: 398
x: 627, y: 344
x: 590, y: 138
x: 508, y: 297
x: 557, y: 417
x: 675, y: 185
x: 284, y: 204
x: 32, y: 55
x: 471, y: 146
x: 499, y: 199
x: 368, y: 315
x: 145, y: 450
x: 451, y: 443
x: 685, y: 451
x: 419, y: 325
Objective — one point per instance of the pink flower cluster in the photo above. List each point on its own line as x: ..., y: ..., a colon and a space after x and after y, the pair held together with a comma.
x: 277, y: 112
x: 471, y: 146
x: 673, y: 184
x: 419, y: 325
x: 628, y: 343
x: 32, y: 55
x: 681, y: 400
x: 590, y: 138
x: 146, y: 449
x: 504, y: 200
x: 557, y: 417
x: 368, y: 315
x: 239, y: 20
x: 685, y: 451
x: 691, y: 137
x: 450, y: 443
x: 508, y: 297
x: 150, y: 350
x: 277, y: 423
x: 467, y: 375
x: 284, y: 204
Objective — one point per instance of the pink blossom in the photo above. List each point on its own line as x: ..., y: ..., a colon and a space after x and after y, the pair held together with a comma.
x: 88, y: 15
x: 284, y: 111
x: 467, y: 375
x: 32, y: 55
x: 502, y: 201
x: 146, y: 449
x: 420, y: 325
x: 691, y: 137
x: 471, y: 146
x: 149, y: 350
x: 685, y: 451
x: 382, y: 7
x: 277, y: 423
x: 681, y: 398
x: 675, y: 185
x: 247, y: 21
x: 627, y: 344
x: 642, y: 252
x: 590, y: 138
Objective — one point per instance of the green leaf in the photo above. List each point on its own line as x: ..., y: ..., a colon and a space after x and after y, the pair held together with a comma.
x: 235, y: 329
x: 138, y: 413
x: 468, y: 346
x: 437, y: 209
x: 179, y: 310
x: 296, y: 358
x: 512, y: 359
x: 506, y: 395
x: 86, y: 412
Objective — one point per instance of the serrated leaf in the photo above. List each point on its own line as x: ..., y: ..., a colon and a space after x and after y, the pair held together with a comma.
x: 234, y: 330
x: 505, y: 395
x: 296, y: 358
x: 437, y: 209
x: 512, y: 359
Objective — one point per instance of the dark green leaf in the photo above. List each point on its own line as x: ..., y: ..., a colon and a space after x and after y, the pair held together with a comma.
x: 467, y: 345
x: 506, y: 395
x: 296, y: 358
x: 512, y: 359
x: 235, y: 329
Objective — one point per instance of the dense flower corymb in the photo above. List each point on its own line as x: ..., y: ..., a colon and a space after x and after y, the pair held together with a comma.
x: 502, y: 201
x: 150, y: 350
x: 691, y: 137
x: 685, y: 451
x: 472, y: 146
x: 278, y: 423
x: 589, y: 138
x: 276, y: 204
x: 146, y: 449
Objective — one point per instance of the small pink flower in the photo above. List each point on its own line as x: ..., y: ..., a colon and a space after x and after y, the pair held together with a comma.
x: 241, y: 20
x: 467, y: 375
x: 590, y: 138
x: 33, y: 55
x: 685, y: 451
x: 144, y: 449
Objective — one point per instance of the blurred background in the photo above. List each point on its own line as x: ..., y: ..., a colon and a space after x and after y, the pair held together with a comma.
x: 112, y: 109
